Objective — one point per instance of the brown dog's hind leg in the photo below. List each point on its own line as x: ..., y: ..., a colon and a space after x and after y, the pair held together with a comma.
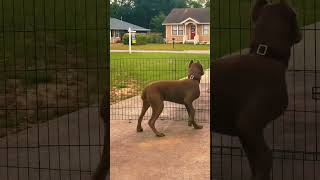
x: 191, y: 113
x: 144, y: 109
x: 157, y: 107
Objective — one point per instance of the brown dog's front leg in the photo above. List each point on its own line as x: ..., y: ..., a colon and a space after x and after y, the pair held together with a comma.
x: 259, y: 155
x: 191, y: 113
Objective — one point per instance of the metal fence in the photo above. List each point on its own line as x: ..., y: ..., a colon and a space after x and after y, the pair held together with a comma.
x: 52, y: 75
x: 295, y: 136
x: 129, y: 76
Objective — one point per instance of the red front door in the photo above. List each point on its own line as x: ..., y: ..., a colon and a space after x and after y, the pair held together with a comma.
x: 193, y: 31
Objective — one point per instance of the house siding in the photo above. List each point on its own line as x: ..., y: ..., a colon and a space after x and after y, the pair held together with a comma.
x: 203, y: 38
x: 179, y: 38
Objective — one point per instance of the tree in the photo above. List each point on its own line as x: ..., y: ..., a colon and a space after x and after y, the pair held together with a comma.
x: 207, y: 4
x: 156, y: 23
x: 195, y: 4
x: 122, y: 9
x: 141, y: 12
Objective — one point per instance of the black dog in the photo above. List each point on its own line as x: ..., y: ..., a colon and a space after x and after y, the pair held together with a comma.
x: 249, y: 91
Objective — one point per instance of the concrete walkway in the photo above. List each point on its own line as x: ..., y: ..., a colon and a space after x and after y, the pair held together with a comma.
x: 166, y: 51
x: 66, y: 148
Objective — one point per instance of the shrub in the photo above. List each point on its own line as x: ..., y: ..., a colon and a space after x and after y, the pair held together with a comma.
x: 144, y: 38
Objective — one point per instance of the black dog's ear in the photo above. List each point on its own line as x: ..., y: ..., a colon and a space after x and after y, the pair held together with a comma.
x: 257, y: 9
x: 190, y: 63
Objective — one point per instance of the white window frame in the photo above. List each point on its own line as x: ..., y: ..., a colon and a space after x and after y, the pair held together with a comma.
x: 174, y: 30
x: 180, y: 29
x: 177, y: 30
x: 206, y: 29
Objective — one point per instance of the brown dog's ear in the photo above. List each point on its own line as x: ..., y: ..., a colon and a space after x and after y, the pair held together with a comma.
x: 257, y: 9
x: 190, y: 63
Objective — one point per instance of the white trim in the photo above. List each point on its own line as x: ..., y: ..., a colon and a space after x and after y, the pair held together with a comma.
x: 189, y: 18
x: 167, y: 24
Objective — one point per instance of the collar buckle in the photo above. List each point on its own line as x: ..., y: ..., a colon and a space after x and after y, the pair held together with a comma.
x: 262, y: 49
x: 191, y: 76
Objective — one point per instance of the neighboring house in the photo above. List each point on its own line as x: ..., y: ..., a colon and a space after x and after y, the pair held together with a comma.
x: 119, y: 27
x: 188, y: 25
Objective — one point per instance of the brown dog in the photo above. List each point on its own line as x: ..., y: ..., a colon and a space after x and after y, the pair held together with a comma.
x: 249, y: 91
x: 178, y: 91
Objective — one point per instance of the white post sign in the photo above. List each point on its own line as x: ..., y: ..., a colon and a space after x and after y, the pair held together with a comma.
x: 130, y: 36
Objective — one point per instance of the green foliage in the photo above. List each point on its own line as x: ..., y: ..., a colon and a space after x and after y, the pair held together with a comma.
x: 155, y: 38
x: 143, y: 39
x: 156, y: 23
x: 194, y: 4
x: 141, y: 12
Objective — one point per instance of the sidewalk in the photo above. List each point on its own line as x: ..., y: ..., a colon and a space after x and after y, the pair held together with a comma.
x: 166, y: 51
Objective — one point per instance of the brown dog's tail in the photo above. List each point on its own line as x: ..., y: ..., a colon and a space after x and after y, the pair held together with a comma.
x: 103, y: 167
x: 144, y: 95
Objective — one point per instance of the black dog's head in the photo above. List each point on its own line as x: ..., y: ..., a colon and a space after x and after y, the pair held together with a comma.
x: 276, y: 24
x: 195, y: 70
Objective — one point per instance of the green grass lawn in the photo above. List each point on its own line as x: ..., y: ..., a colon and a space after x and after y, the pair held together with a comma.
x: 230, y: 25
x: 131, y: 72
x: 177, y: 47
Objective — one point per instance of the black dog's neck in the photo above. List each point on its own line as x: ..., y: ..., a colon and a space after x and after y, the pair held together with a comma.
x: 263, y: 49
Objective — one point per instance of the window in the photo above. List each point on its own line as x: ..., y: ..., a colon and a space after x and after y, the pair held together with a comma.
x: 174, y: 30
x: 177, y: 30
x: 117, y: 33
x: 206, y: 29
x: 180, y: 31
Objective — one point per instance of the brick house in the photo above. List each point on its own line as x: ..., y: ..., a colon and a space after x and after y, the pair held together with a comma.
x: 188, y: 25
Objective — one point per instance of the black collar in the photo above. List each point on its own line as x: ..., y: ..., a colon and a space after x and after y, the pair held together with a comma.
x: 263, y: 49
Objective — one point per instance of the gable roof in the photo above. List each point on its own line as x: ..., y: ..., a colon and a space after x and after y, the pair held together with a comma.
x: 178, y: 15
x: 116, y: 24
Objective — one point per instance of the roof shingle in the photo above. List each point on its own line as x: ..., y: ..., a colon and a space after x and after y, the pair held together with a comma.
x: 177, y: 15
x: 116, y: 24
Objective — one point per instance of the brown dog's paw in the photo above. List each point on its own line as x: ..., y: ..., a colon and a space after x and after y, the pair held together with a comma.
x: 139, y: 129
x: 189, y: 123
x: 160, y: 134
x: 198, y: 126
